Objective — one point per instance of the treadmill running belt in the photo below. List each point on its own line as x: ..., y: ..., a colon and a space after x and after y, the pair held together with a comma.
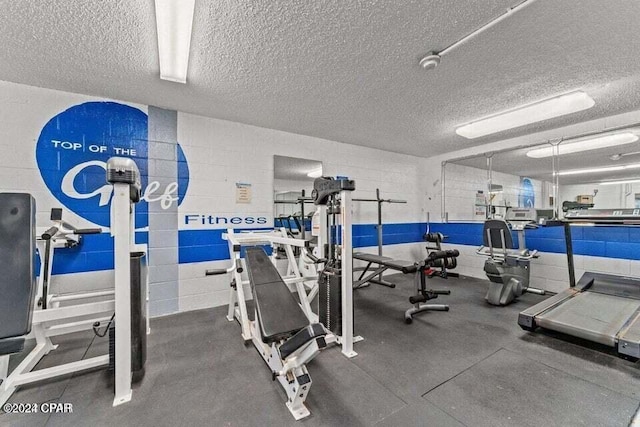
x: 592, y: 316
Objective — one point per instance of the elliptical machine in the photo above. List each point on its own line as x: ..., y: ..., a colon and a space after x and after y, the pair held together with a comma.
x: 508, y: 266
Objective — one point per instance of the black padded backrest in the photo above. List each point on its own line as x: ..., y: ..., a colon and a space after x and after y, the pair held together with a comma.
x: 278, y: 313
x: 494, y: 226
x: 17, y: 265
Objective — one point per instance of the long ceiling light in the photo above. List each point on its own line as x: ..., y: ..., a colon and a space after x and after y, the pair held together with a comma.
x: 593, y: 143
x: 532, y: 113
x: 600, y: 170
x: 625, y: 181
x: 174, y: 19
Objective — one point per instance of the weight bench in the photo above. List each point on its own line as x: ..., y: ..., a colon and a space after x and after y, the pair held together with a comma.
x: 383, y: 264
x: 281, y: 332
x: 407, y: 267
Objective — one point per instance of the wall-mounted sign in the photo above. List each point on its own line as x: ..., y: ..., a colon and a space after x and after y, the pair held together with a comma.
x: 243, y: 192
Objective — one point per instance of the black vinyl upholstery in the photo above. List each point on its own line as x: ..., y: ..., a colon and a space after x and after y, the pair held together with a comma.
x: 405, y: 267
x: 303, y: 336
x: 494, y: 226
x: 17, y: 269
x: 278, y: 313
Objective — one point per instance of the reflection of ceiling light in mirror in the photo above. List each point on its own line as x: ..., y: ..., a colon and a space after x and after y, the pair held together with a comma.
x: 625, y: 181
x: 532, y: 113
x: 594, y: 143
x: 599, y: 170
x: 316, y: 173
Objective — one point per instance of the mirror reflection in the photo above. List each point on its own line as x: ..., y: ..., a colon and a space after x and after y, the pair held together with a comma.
x: 600, y: 171
x: 292, y: 185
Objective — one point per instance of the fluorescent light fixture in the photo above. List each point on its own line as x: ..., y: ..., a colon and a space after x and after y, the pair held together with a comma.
x: 532, y: 113
x: 316, y: 173
x: 624, y: 181
x: 174, y: 19
x: 599, y: 170
x: 593, y: 143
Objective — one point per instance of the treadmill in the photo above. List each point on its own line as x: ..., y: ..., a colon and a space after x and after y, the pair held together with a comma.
x: 602, y: 308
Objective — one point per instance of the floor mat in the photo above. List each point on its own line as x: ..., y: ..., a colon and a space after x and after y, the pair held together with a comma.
x: 508, y: 389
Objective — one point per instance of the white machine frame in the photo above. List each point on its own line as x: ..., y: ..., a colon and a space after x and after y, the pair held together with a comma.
x: 288, y: 371
x: 79, y: 315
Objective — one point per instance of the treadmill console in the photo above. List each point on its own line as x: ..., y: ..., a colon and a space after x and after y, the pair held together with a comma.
x: 520, y: 218
x: 613, y: 216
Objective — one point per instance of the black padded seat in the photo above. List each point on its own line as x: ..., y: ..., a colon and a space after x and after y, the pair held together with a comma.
x: 303, y: 336
x: 11, y: 345
x: 278, y: 312
x: 395, y: 264
x: 378, y: 259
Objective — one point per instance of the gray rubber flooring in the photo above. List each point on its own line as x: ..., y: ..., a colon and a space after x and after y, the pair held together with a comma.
x: 470, y: 366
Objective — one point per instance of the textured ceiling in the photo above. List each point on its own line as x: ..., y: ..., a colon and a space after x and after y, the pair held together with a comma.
x: 516, y: 162
x: 341, y: 70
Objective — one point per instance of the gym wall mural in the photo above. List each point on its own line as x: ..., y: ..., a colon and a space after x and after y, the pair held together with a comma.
x: 74, y: 146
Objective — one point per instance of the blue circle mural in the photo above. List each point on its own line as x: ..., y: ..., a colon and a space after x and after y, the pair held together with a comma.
x: 74, y: 146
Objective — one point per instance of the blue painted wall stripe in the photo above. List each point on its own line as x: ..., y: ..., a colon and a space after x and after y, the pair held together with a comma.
x: 96, y: 251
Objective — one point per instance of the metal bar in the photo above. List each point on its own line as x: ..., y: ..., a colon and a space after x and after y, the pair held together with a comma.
x: 443, y: 188
x: 121, y: 231
x: 510, y: 11
x: 569, y: 244
x: 84, y: 295
x: 78, y: 310
x: 56, y: 371
x: 347, y: 276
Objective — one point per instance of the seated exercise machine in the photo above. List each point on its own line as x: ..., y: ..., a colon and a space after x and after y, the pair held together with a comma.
x: 602, y: 308
x: 508, y: 266
x: 55, y: 315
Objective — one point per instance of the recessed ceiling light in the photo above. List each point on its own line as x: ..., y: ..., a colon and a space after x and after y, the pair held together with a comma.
x: 174, y: 19
x: 593, y: 143
x: 600, y: 170
x: 532, y: 113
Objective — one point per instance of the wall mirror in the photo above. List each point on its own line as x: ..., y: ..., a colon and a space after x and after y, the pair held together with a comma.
x: 292, y: 185
x: 600, y: 171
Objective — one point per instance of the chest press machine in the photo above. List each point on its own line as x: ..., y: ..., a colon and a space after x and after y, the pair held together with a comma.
x: 24, y: 310
x: 285, y: 330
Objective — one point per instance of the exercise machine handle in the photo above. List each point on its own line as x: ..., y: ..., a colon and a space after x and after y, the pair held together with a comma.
x: 215, y: 272
x: 47, y: 235
x: 314, y: 258
x: 220, y: 271
x: 87, y: 231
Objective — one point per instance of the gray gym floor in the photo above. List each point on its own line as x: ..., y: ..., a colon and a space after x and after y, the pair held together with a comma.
x: 471, y: 366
